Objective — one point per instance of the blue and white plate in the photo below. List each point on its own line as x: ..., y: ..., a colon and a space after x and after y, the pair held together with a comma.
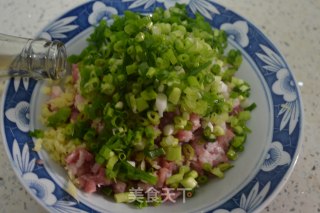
x: 259, y: 173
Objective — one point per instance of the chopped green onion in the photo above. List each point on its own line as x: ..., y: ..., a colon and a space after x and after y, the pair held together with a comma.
x: 99, y: 159
x: 184, y: 169
x: 169, y: 141
x: 174, y: 96
x: 174, y: 179
x: 193, y: 82
x: 238, y: 130
x: 151, y: 72
x: 192, y: 173
x: 189, y: 182
x: 119, y: 105
x: 173, y: 153
x: 207, y: 167
x: 237, y: 141
x: 132, y: 102
x: 106, y: 152
x: 168, y: 130
x: 111, y: 162
x: 122, y: 156
x: 180, y: 122
x: 169, y: 55
x: 209, y: 135
x: 150, y: 132
x: 217, y: 172
x: 202, y: 179
x: 37, y: 133
x: 107, y: 86
x: 161, y: 103
x: 244, y: 115
x: 183, y: 58
x: 125, y: 197
x: 90, y: 135
x: 106, y: 191
x: 141, y: 104
x: 155, y: 153
x: 153, y: 117
x: 148, y: 94
x: 225, y: 166
x: 141, y: 202
x: 251, y: 107
x: 59, y: 117
x: 218, y: 130
x: 231, y: 154
x: 133, y: 173
x: 156, y: 201
x: 138, y: 142
x: 188, y: 151
x: 140, y: 37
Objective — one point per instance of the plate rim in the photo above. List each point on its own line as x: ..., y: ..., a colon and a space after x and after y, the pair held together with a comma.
x: 279, y: 186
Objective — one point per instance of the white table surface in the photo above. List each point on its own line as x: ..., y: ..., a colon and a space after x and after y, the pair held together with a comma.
x: 292, y: 25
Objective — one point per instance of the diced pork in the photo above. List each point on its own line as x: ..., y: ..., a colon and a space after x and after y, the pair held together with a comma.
x: 90, y: 186
x: 212, y: 153
x: 163, y: 174
x: 78, y: 101
x: 79, y: 155
x: 144, y: 186
x: 195, y: 120
x: 74, y: 115
x: 225, y: 139
x: 75, y: 72
x: 171, y: 166
x: 184, y: 135
x: 88, y: 174
x: 119, y: 187
x: 56, y: 91
x: 167, y: 119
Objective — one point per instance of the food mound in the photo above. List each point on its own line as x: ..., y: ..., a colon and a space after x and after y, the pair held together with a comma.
x: 152, y: 105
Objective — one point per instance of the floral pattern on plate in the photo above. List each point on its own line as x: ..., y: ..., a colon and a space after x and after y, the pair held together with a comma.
x: 101, y: 11
x: 238, y: 31
x: 19, y: 115
x: 276, y: 156
x: 205, y: 7
x: 42, y: 188
x: 284, y: 86
x: 58, y: 29
x: 250, y: 202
